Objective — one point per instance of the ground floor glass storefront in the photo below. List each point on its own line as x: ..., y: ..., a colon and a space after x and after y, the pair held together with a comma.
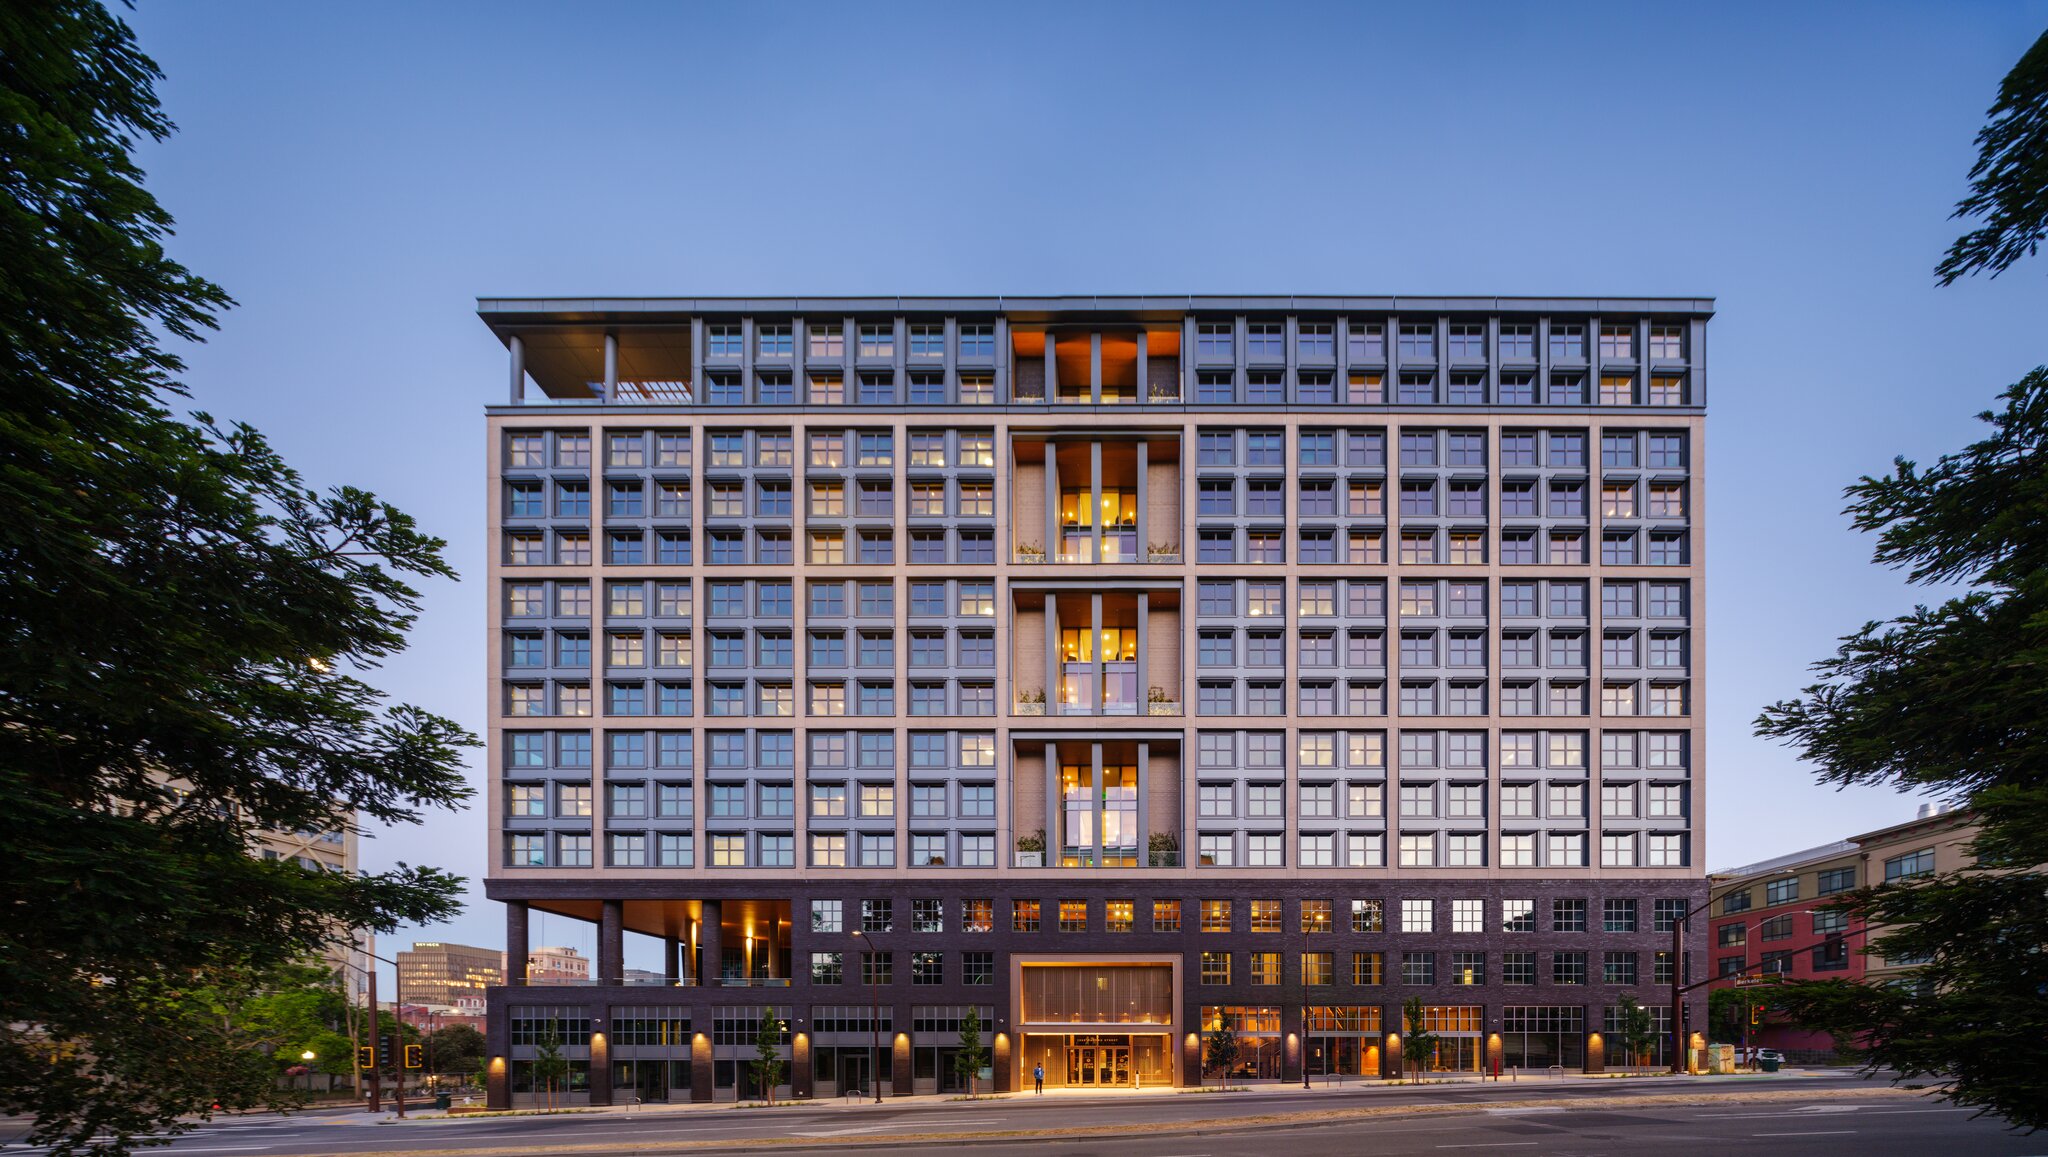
x: 1459, y: 1046
x: 1343, y: 1040
x: 1100, y: 1060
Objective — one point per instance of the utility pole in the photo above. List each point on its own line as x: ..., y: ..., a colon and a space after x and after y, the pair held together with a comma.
x: 376, y: 1033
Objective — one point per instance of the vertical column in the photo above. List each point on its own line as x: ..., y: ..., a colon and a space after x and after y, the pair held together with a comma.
x: 1095, y: 792
x: 611, y: 943
x: 1144, y: 665
x: 1144, y: 816
x: 1095, y: 368
x: 611, y: 366
x: 516, y: 346
x: 1239, y: 332
x: 899, y: 1064
x: 1187, y: 364
x: 516, y: 948
x: 1055, y: 663
x: 1055, y: 803
x: 697, y: 390
x: 1052, y: 370
x: 799, y: 1063
x: 1095, y: 649
x: 1291, y: 335
x: 1293, y: 1036
x: 1002, y: 383
x: 1095, y: 507
x: 1144, y: 547
x: 701, y: 1071
x: 1052, y: 500
x: 1144, y: 371
x: 672, y: 967
x: 1596, y: 1040
x: 710, y: 945
x: 600, y: 1056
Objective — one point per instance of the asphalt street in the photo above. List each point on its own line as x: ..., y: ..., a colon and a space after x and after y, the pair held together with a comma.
x: 1829, y: 1115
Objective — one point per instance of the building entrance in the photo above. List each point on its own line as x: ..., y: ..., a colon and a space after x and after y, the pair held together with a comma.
x: 1098, y: 1062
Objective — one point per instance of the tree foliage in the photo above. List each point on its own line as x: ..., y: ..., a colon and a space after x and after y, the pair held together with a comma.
x: 767, y: 1062
x: 550, y: 1067
x: 1952, y: 700
x: 2009, y: 182
x: 1221, y: 1049
x: 457, y: 1049
x: 968, y: 1061
x: 184, y: 630
x: 1637, y: 1029
x: 1418, y: 1044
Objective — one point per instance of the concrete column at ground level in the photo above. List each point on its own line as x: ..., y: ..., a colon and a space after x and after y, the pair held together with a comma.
x: 611, y: 943
x: 515, y: 942
x: 701, y: 1073
x: 1293, y: 1048
x: 900, y: 1084
x: 1191, y: 1057
x: 1496, y: 1054
x: 498, y: 1084
x: 1002, y: 1062
x: 1392, y: 1030
x: 600, y: 1057
x: 1596, y: 1041
x: 710, y: 946
x: 799, y: 1064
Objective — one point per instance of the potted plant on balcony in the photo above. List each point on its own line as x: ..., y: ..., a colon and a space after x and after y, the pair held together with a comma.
x: 1163, y: 849
x: 1030, y: 552
x: 1031, y: 701
x: 1031, y: 849
x: 1162, y: 552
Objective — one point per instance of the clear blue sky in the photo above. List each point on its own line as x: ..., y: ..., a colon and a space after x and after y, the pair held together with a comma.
x: 356, y: 174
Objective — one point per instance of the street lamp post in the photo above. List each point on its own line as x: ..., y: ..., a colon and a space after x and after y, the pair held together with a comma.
x: 1302, y: 917
x: 874, y: 1015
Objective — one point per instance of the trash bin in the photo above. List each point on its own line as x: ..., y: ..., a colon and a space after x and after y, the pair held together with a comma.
x: 444, y: 1101
x: 1769, y: 1064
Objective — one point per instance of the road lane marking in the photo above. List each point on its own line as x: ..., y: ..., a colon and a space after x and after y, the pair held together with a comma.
x: 1492, y: 1145
x: 1810, y: 1133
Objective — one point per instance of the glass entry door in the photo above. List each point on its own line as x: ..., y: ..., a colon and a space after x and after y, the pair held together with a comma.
x: 1104, y: 1062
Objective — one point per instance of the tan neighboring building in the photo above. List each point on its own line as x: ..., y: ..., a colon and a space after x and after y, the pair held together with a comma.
x: 454, y: 975
x: 557, y: 965
x: 1933, y: 843
x: 320, y: 851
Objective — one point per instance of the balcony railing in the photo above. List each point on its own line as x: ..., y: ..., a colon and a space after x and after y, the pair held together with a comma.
x: 1163, y: 707
x: 754, y: 982
x: 1029, y: 708
x: 648, y: 393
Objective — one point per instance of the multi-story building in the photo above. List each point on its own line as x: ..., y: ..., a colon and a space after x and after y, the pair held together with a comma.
x: 1120, y: 669
x: 557, y: 964
x: 1776, y: 919
x: 456, y: 975
x: 323, y: 851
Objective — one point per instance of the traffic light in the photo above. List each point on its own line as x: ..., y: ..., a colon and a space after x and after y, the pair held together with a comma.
x: 1756, y: 1014
x: 366, y: 1057
x: 387, y: 1048
x: 412, y: 1056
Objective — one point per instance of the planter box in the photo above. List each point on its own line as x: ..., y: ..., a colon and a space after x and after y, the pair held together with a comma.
x: 1030, y: 859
